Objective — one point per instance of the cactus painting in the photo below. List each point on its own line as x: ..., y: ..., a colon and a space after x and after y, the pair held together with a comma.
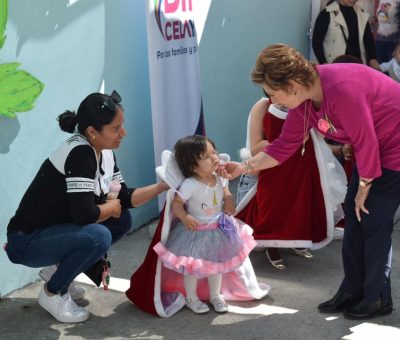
x: 18, y: 89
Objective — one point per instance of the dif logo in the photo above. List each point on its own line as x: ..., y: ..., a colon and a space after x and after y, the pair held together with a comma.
x: 174, y: 29
x: 171, y: 6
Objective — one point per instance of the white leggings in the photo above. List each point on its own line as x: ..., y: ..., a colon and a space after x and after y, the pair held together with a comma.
x: 214, y: 284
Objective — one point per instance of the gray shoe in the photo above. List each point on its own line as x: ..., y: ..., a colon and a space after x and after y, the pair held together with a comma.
x: 277, y: 264
x: 196, y: 306
x: 219, y: 304
x: 303, y: 252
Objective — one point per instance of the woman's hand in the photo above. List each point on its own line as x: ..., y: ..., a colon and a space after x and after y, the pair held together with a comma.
x: 230, y: 170
x: 162, y: 186
x: 229, y: 205
x: 115, y: 207
x: 360, y: 199
x: 144, y: 194
x: 189, y: 222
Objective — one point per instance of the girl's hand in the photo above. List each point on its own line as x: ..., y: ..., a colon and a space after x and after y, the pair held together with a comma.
x: 229, y: 205
x: 360, y: 199
x: 230, y: 170
x: 189, y: 222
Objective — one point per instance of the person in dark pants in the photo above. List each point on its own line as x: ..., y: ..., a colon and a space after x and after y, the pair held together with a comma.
x: 367, y: 248
x: 342, y: 27
x: 357, y: 105
x: 387, y: 19
x: 67, y: 218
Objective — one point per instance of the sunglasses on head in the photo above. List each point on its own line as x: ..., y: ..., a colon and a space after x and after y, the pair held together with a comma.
x: 112, y: 101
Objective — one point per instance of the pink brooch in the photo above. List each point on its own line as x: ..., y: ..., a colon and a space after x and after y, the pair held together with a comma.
x: 325, y: 124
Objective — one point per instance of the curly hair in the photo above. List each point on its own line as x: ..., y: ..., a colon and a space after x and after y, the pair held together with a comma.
x: 188, y: 151
x: 278, y: 64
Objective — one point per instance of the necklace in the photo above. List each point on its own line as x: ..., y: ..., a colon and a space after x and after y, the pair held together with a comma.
x: 305, y: 126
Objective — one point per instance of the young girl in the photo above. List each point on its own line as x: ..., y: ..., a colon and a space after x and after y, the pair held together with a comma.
x: 207, y: 241
x: 392, y: 67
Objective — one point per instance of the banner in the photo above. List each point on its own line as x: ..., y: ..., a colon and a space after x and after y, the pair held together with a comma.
x: 174, y: 29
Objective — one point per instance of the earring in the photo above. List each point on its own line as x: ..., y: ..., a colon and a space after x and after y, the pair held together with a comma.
x: 93, y: 137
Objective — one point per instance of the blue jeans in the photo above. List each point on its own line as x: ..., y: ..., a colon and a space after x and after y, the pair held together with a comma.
x: 73, y: 247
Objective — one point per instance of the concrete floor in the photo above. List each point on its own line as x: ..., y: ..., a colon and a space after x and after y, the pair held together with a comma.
x: 289, y: 312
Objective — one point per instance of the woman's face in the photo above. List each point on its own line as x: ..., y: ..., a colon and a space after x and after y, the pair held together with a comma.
x: 111, y: 135
x: 282, y: 98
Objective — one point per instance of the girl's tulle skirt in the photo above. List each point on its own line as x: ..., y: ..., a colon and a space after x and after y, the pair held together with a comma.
x: 203, y: 252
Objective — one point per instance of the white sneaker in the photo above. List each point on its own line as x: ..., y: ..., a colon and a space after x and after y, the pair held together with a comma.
x: 76, y: 292
x: 196, y: 306
x: 62, y: 307
x: 219, y: 304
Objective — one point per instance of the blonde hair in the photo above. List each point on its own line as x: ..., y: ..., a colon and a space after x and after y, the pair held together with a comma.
x: 277, y: 64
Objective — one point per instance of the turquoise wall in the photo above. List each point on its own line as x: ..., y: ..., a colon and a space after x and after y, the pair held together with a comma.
x: 234, y: 34
x: 73, y: 50
x: 73, y: 47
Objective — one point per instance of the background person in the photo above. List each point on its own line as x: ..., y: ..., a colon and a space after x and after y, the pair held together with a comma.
x: 392, y: 67
x: 387, y: 31
x: 342, y: 27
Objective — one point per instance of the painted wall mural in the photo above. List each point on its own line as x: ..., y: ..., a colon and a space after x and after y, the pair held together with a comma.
x: 18, y: 88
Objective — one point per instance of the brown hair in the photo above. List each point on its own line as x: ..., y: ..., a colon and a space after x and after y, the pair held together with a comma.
x: 188, y: 151
x: 346, y: 59
x: 277, y: 64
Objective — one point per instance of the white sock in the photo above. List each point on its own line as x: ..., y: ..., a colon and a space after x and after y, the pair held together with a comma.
x: 190, y: 283
x: 214, y: 284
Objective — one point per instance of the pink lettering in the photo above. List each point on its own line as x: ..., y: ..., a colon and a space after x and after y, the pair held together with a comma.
x: 184, y: 5
x: 171, y: 6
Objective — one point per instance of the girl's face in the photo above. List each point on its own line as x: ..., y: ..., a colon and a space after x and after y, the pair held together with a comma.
x: 208, y: 161
x: 111, y: 135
